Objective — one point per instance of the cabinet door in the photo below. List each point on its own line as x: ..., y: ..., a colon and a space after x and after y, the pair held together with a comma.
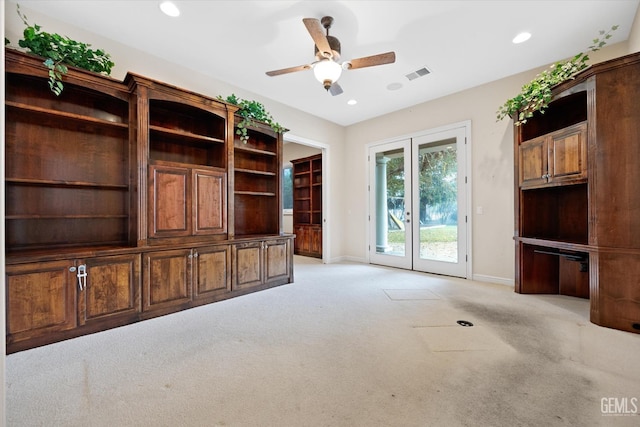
x: 210, y: 202
x: 169, y: 201
x: 41, y: 299
x: 533, y: 162
x: 247, y: 265
x: 167, y: 279
x: 112, y: 288
x: 278, y: 260
x: 301, y: 245
x: 315, y: 243
x: 211, y: 271
x: 568, y: 155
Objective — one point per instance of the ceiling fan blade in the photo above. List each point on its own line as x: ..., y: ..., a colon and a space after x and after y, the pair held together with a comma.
x: 335, y: 89
x: 370, y: 61
x: 288, y: 70
x: 317, y: 34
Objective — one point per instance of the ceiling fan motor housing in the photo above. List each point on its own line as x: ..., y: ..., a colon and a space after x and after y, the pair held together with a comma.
x: 334, y: 44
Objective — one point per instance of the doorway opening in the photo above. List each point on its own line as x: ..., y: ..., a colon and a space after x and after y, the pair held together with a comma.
x: 295, y: 148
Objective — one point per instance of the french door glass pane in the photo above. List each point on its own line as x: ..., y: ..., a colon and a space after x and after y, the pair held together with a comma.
x: 390, y: 203
x: 438, y: 195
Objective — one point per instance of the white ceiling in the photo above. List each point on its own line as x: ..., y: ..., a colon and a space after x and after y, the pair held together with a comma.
x: 463, y: 43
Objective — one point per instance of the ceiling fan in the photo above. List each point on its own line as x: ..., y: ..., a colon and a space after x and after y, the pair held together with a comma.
x: 327, y: 53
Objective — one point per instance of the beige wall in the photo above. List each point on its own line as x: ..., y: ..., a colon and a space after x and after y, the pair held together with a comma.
x: 293, y: 151
x: 634, y: 36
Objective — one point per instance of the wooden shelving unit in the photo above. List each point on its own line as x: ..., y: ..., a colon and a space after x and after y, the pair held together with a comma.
x: 576, y: 171
x: 307, y: 205
x: 128, y: 200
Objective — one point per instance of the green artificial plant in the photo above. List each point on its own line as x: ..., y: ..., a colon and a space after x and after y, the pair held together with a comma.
x: 536, y: 95
x: 61, y: 51
x: 250, y: 111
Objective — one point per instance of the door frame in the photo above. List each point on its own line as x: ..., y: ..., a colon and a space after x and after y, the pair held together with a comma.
x: 466, y: 124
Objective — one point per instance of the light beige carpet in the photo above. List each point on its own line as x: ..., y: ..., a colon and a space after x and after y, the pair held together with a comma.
x: 346, y: 345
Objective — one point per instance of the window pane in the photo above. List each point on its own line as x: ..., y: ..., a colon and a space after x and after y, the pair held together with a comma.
x: 287, y: 187
x: 438, y: 168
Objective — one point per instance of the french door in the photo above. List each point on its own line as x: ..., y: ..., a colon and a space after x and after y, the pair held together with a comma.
x: 417, y: 203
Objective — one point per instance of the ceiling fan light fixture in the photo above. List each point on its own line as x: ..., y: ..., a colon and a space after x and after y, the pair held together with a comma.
x: 327, y: 71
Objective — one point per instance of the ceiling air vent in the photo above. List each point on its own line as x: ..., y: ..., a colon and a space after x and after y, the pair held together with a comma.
x: 418, y: 73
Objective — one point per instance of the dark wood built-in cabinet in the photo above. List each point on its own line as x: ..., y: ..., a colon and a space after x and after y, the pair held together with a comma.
x: 307, y: 205
x: 130, y: 199
x: 577, y: 169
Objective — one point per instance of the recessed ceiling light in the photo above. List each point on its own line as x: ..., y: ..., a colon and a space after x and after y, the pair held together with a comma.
x: 394, y: 86
x: 352, y: 102
x: 169, y: 8
x: 521, y: 38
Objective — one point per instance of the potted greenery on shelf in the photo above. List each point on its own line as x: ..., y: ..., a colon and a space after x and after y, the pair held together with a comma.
x: 536, y: 95
x: 250, y: 111
x: 60, y: 51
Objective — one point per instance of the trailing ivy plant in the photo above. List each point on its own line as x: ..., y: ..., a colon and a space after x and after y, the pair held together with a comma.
x: 61, y: 51
x: 536, y: 95
x: 251, y: 112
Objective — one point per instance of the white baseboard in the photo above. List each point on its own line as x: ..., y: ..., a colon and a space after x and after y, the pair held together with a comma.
x: 477, y: 277
x: 347, y: 259
x: 492, y: 279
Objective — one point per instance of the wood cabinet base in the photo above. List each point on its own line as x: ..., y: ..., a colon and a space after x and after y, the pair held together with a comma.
x: 51, y: 301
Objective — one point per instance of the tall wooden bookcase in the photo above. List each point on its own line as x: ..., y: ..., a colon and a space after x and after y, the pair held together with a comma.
x: 307, y: 205
x: 128, y: 200
x: 577, y: 211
